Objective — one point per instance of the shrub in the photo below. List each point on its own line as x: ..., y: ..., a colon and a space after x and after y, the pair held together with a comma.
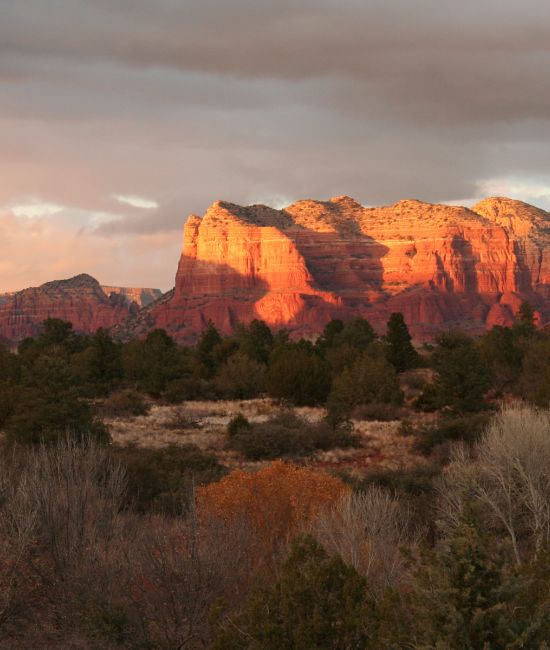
x: 450, y: 429
x: 161, y: 480
x: 238, y: 424
x: 180, y: 418
x: 377, y: 412
x: 274, y: 502
x: 287, y: 435
x: 125, y: 402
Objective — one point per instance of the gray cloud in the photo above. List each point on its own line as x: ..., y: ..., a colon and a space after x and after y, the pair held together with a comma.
x: 188, y: 102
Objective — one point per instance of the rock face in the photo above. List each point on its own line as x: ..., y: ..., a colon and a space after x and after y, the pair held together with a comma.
x: 442, y: 266
x: 80, y: 300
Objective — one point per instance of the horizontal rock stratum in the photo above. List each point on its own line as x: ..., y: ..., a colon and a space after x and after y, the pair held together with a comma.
x: 442, y: 266
x: 80, y: 300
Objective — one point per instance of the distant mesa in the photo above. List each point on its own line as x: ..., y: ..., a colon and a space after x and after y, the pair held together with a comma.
x: 80, y: 300
x: 442, y: 266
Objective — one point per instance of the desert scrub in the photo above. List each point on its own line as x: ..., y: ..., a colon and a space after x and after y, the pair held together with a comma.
x: 286, y: 435
x: 162, y: 480
x: 123, y: 403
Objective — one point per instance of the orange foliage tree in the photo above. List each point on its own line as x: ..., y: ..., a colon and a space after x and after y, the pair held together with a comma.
x: 273, y: 502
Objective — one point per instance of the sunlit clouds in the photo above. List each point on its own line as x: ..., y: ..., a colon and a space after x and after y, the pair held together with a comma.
x: 137, y: 202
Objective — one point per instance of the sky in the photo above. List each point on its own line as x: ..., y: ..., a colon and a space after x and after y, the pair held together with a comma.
x: 119, y: 118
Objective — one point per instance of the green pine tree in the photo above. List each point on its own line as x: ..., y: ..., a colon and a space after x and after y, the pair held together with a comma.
x: 401, y: 352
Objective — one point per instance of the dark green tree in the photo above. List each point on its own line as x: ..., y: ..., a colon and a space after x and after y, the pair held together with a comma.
x: 463, y: 376
x: 357, y: 332
x: 206, y: 349
x: 240, y: 377
x: 525, y: 320
x: 503, y: 353
x: 317, y: 602
x: 299, y: 374
x: 332, y: 329
x: 467, y: 596
x: 256, y: 340
x: 368, y: 381
x: 47, y: 406
x: 152, y: 364
x: 401, y: 352
x: 99, y: 367
x: 534, y: 380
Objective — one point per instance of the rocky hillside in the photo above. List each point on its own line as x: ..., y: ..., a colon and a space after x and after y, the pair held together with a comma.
x: 442, y: 266
x: 80, y: 300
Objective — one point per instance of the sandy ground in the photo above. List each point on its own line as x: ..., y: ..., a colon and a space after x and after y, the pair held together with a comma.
x: 204, y: 424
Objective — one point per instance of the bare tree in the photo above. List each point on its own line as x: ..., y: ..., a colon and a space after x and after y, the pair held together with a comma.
x: 180, y: 569
x: 367, y: 530
x: 508, y: 477
x: 18, y: 521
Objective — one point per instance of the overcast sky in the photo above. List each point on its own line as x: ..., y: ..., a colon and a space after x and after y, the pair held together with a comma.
x: 118, y: 118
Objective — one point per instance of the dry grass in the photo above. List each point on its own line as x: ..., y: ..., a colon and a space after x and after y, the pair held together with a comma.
x: 204, y: 424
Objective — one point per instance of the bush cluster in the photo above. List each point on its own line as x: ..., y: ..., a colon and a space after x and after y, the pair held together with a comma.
x: 285, y: 435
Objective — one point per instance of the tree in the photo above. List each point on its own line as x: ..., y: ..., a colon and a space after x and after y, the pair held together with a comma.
x: 317, y: 602
x: 503, y: 354
x: 153, y: 363
x: 330, y: 332
x: 47, y: 406
x: 240, y: 377
x: 357, y: 332
x: 534, y: 380
x: 525, y: 321
x: 256, y: 340
x: 464, y: 597
x: 401, y: 352
x: 299, y: 374
x: 99, y: 366
x: 205, y: 349
x: 463, y: 377
x: 367, y: 381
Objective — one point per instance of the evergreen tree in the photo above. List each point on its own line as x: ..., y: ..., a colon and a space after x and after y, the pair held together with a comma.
x: 317, y: 602
x: 298, y: 373
x: 368, y: 381
x: 463, y: 376
x: 99, y: 366
x: 525, y: 320
x: 467, y: 596
x: 256, y: 340
x: 206, y: 347
x: 401, y: 353
x: 358, y: 333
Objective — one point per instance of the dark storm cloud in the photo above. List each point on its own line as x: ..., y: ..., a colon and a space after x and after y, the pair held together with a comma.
x: 186, y: 101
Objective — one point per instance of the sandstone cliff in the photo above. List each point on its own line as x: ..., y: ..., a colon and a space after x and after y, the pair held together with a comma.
x: 80, y: 300
x: 442, y: 266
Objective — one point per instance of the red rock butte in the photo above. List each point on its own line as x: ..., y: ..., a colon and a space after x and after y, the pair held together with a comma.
x: 80, y: 300
x: 441, y: 266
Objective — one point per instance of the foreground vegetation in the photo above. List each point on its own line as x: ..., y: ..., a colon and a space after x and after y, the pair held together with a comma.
x: 285, y: 557
x: 105, y: 546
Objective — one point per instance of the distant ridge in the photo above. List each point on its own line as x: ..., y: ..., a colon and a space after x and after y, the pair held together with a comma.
x: 442, y: 266
x: 80, y: 300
